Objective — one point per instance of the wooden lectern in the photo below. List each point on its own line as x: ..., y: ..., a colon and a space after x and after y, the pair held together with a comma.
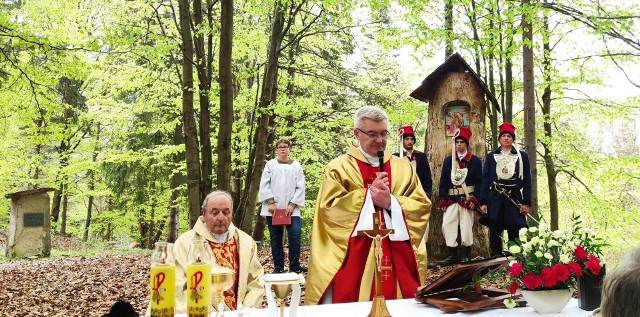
x: 460, y: 290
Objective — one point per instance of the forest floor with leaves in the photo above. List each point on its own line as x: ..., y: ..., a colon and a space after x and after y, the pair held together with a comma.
x: 69, y: 285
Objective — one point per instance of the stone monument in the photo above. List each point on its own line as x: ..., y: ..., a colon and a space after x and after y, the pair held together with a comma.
x: 29, y: 223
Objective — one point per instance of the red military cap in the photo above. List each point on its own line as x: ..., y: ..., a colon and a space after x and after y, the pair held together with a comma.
x: 508, y: 127
x: 465, y: 134
x: 406, y: 131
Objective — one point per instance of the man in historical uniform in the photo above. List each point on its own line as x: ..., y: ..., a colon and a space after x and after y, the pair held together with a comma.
x: 506, y: 194
x: 230, y: 247
x: 459, y: 190
x: 341, y: 268
x: 418, y: 159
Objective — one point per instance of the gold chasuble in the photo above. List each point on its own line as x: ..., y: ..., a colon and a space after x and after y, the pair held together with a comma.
x: 335, y: 251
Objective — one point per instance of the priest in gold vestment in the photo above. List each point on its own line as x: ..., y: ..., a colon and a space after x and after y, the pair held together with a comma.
x: 341, y: 265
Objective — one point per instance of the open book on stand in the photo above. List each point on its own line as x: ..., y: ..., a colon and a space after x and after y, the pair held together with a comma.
x: 280, y: 218
x: 460, y: 289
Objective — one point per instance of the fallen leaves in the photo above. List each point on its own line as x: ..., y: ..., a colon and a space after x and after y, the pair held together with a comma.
x: 79, y: 286
x: 88, y: 286
x: 83, y: 286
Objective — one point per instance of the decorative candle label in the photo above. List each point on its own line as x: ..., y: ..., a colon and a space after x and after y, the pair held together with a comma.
x: 163, y: 290
x: 198, y: 289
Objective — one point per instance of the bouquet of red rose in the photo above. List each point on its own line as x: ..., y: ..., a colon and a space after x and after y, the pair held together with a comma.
x: 548, y: 260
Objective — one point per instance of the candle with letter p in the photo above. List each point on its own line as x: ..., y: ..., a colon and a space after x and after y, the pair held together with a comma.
x: 198, y: 289
x: 199, y: 279
x: 163, y: 281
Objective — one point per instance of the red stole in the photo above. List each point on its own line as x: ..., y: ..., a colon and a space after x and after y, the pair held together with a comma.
x: 226, y: 255
x: 399, y: 264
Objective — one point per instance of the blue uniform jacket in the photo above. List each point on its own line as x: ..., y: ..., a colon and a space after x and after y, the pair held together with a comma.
x: 474, y: 178
x: 423, y: 170
x: 521, y: 192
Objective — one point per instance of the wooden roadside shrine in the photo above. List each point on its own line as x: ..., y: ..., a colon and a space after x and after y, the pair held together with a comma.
x: 460, y: 289
x: 457, y: 97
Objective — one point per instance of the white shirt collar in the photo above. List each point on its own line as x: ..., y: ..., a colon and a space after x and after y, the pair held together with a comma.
x: 373, y: 160
x: 222, y: 238
x: 506, y: 152
x: 461, y: 156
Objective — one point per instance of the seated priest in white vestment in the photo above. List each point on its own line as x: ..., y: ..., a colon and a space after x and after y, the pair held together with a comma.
x: 230, y: 247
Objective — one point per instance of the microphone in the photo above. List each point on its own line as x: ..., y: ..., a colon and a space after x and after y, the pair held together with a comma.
x: 381, y: 160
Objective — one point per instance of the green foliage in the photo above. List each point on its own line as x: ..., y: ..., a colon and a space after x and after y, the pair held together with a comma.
x: 122, y: 65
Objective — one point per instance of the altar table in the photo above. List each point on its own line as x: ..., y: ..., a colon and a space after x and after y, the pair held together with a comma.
x: 408, y: 308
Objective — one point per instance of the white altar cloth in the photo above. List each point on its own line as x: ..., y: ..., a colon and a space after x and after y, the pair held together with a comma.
x: 408, y: 308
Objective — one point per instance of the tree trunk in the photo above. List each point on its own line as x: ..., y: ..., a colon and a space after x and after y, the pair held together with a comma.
x: 151, y: 232
x: 109, y: 232
x: 204, y: 87
x: 448, y: 28
x: 507, y: 114
x: 226, y: 96
x: 508, y: 85
x: 65, y: 205
x: 493, y: 113
x: 59, y: 196
x: 189, y: 122
x: 176, y: 181
x: 92, y: 185
x: 267, y: 97
x: 529, y: 103
x: 36, y: 171
x: 548, y: 154
x: 63, y: 202
x: 174, y: 211
x: 87, y: 222
x: 55, y: 204
x: 476, y: 36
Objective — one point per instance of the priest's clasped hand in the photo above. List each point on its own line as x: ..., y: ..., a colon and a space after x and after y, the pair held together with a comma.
x: 380, y: 192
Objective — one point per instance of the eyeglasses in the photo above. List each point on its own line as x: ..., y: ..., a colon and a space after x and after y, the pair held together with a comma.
x: 282, y: 147
x: 374, y: 135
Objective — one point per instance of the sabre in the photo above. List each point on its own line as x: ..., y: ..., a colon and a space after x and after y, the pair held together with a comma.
x: 504, y: 193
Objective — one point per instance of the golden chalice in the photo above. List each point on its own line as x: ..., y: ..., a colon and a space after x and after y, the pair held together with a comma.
x: 222, y: 279
x: 281, y: 291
